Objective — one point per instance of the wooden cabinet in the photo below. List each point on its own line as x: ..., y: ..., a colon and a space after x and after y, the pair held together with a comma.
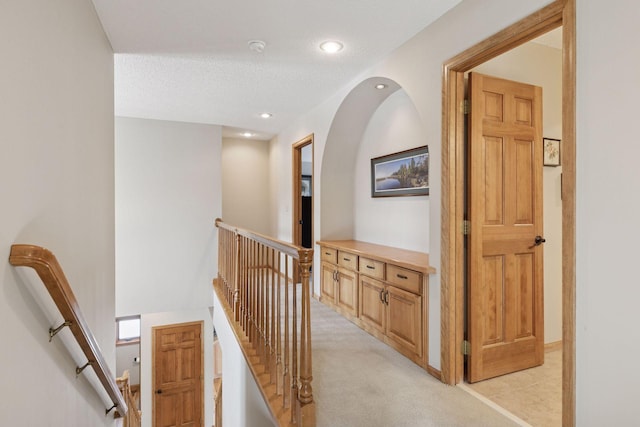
x: 391, y: 314
x: 381, y: 289
x: 404, y: 320
x: 339, y: 288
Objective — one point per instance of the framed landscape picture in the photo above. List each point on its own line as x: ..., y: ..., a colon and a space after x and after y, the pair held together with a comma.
x: 401, y: 174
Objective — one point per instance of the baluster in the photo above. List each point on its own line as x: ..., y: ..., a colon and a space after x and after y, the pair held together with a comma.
x: 261, y: 303
x: 254, y: 293
x: 294, y: 351
x: 279, y: 370
x: 235, y: 270
x: 286, y: 379
x: 272, y: 354
x: 245, y: 285
x: 307, y: 407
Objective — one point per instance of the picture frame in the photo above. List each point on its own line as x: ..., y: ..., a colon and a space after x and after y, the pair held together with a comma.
x: 405, y: 173
x: 551, y: 152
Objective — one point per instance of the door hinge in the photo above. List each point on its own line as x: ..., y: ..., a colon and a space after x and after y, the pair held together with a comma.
x: 466, y: 347
x: 465, y: 106
x: 466, y: 227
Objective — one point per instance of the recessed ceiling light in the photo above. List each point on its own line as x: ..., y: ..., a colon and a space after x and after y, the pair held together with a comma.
x: 247, y: 134
x: 331, y: 46
x: 380, y: 86
x: 265, y: 115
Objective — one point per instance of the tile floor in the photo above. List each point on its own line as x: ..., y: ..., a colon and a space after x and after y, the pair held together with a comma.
x: 533, y: 395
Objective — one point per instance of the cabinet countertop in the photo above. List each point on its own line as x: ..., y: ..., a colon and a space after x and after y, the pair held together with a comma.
x: 412, y: 260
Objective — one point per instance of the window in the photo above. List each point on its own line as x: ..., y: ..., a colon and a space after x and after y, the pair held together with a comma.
x: 128, y: 330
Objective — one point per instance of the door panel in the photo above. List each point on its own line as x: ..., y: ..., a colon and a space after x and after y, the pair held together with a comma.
x: 404, y: 319
x: 505, y: 312
x: 372, y: 308
x: 328, y: 283
x: 347, y: 292
x: 177, y: 366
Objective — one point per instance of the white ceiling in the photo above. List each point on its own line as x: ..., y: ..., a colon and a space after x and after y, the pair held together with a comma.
x: 188, y: 60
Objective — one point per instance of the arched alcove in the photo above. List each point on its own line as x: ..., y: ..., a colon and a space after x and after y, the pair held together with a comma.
x: 371, y: 123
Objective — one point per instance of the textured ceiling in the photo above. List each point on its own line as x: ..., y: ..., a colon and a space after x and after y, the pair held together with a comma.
x: 189, y: 61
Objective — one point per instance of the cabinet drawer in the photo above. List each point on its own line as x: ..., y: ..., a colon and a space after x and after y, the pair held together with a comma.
x: 329, y: 255
x: 372, y: 268
x: 408, y: 280
x: 348, y: 260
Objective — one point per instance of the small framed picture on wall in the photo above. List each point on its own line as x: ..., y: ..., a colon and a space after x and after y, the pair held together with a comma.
x: 551, y: 150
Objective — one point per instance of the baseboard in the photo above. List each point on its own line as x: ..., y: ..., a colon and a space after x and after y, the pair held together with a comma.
x: 434, y: 372
x: 553, y: 346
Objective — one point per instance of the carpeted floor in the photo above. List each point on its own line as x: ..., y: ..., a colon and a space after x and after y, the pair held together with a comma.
x: 360, y: 381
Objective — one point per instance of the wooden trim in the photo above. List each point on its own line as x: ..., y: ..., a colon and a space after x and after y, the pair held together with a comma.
x: 569, y: 213
x: 279, y: 245
x: 553, y: 346
x: 51, y: 274
x: 434, y: 372
x: 296, y: 204
x: 560, y: 12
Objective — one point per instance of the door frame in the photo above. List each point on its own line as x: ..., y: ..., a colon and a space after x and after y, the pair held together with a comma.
x: 297, y: 187
x: 558, y: 13
x: 153, y: 365
x: 296, y: 150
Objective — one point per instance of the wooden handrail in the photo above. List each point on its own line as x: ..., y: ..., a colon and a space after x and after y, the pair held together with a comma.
x: 259, y: 296
x: 51, y: 274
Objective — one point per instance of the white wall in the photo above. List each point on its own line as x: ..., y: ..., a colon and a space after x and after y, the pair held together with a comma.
x: 608, y: 203
x: 542, y: 66
x: 147, y: 322
x: 242, y: 402
x: 245, y: 184
x: 392, y: 221
x: 56, y: 169
x: 125, y: 355
x: 168, y: 195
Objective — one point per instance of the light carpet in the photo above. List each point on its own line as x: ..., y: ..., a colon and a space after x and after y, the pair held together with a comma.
x: 361, y: 382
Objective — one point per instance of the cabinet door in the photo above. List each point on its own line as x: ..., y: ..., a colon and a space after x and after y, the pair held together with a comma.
x: 347, y: 291
x: 404, y: 320
x: 372, y: 308
x: 327, y: 283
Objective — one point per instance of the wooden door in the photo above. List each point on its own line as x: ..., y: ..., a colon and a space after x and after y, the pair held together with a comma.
x: 505, y: 301
x: 177, y: 375
x: 328, y: 282
x: 404, y: 325
x: 372, y: 306
x: 347, y: 291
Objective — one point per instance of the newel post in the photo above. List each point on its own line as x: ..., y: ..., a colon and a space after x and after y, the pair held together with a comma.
x: 307, y: 412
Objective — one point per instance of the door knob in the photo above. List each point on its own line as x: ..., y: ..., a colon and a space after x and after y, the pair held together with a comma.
x: 158, y: 391
x: 539, y: 240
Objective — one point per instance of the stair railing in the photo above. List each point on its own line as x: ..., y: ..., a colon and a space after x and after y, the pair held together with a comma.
x: 133, y: 417
x: 47, y: 267
x: 269, y: 312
